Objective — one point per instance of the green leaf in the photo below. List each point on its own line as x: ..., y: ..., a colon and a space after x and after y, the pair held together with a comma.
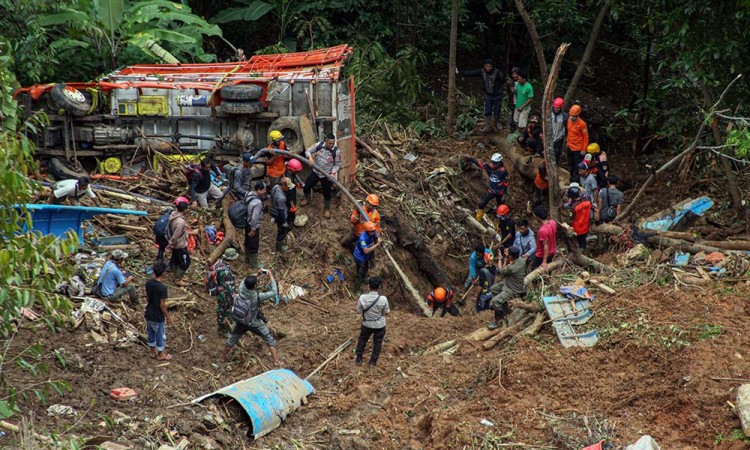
x: 69, y: 16
x: 255, y: 11
x: 110, y: 13
x: 6, y: 410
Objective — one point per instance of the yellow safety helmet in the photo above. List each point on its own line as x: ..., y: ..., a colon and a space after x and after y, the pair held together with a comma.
x: 593, y: 148
x: 275, y: 135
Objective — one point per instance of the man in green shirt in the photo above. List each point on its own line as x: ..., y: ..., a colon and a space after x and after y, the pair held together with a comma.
x: 524, y: 97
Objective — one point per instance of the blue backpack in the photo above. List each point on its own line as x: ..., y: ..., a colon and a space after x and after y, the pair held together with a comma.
x: 161, y: 225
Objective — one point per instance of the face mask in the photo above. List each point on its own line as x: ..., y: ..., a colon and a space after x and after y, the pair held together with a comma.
x: 573, y: 118
x: 525, y: 233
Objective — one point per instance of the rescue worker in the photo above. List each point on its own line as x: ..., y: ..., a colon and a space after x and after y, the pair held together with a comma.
x: 367, y: 242
x: 254, y: 201
x: 493, y: 83
x: 513, y: 272
x: 293, y: 168
x: 370, y: 206
x: 179, y: 233
x: 326, y: 158
x: 578, y: 140
x: 72, y: 190
x: 485, y: 281
x: 545, y: 239
x: 541, y: 185
x: 611, y: 200
x: 505, y: 226
x: 242, y: 182
x: 279, y: 212
x: 581, y: 208
x: 525, y: 240
x: 374, y: 307
x: 253, y: 319
x: 201, y: 188
x: 275, y: 164
x: 559, y: 126
x: 498, y: 182
x: 442, y: 297
x: 477, y: 260
x: 596, y: 161
x: 531, y: 138
x: 588, y: 182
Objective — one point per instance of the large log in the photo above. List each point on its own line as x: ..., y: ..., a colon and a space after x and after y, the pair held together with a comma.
x: 526, y: 164
x: 506, y: 332
x: 230, y: 234
x: 661, y: 240
x: 538, y: 272
x: 414, y: 244
x: 409, y: 286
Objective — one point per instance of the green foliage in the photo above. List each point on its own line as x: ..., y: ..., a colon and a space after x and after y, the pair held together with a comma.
x: 739, y: 138
x: 97, y: 33
x: 709, y: 331
x: 735, y: 435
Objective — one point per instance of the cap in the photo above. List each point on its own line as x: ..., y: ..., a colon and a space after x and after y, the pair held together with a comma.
x: 514, y: 252
x: 247, y: 156
x: 119, y: 255
x: 259, y: 186
x: 582, y: 166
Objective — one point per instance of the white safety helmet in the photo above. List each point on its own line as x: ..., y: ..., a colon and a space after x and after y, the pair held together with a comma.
x: 497, y: 158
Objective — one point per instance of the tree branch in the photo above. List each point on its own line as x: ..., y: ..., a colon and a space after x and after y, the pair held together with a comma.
x: 534, y: 38
x: 593, y: 37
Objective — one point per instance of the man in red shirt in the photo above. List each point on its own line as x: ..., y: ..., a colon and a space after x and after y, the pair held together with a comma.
x: 545, y: 239
x: 581, y: 208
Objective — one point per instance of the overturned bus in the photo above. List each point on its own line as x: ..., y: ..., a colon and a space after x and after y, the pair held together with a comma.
x: 171, y: 110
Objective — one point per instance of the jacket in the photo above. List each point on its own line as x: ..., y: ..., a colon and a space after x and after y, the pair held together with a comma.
x: 255, y: 298
x: 513, y: 275
x: 364, y: 241
x: 243, y: 180
x: 278, y: 203
x: 498, y: 177
x: 201, y: 184
x: 582, y: 217
x: 326, y: 161
x: 578, y: 135
x: 276, y: 164
x: 178, y: 230
x: 378, y: 309
x: 494, y: 81
x: 527, y: 244
x: 359, y: 223
x: 254, y: 210
x: 559, y: 123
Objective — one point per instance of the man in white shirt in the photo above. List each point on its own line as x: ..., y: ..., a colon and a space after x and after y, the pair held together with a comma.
x: 373, y: 307
x: 72, y: 190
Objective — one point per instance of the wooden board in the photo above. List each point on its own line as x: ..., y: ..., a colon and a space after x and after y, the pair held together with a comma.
x: 307, y: 130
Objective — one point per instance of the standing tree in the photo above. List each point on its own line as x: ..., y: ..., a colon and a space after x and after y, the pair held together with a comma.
x: 452, y: 68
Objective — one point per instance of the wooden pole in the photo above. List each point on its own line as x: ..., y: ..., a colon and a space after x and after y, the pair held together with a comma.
x: 549, y: 151
x: 452, y: 69
x: 334, y: 354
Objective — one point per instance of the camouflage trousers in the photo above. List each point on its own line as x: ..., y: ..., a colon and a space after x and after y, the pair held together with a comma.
x: 224, y: 318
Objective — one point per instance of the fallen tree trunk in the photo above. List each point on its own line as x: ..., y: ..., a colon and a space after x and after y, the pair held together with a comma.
x: 409, y: 286
x: 506, y: 332
x: 415, y: 245
x: 525, y: 164
x: 660, y: 240
x: 535, y: 326
x: 439, y: 348
x: 728, y: 245
x: 538, y: 272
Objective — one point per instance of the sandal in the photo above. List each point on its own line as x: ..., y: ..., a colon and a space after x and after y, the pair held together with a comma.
x: 164, y: 357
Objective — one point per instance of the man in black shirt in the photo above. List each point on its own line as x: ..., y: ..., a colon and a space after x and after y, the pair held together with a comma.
x: 157, y: 313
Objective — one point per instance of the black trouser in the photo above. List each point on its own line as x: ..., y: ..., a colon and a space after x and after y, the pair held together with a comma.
x: 363, y: 268
x: 252, y: 244
x: 558, y: 146
x: 581, y: 238
x: 377, y: 342
x: 162, y: 243
x: 492, y: 105
x: 537, y: 261
x: 281, y: 229
x: 291, y: 198
x: 488, y: 196
x: 312, y: 180
x: 574, y: 158
x: 540, y: 196
x: 534, y: 145
x: 180, y: 259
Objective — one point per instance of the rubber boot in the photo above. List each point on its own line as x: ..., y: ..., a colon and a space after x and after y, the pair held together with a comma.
x: 496, y: 125
x: 252, y: 260
x: 498, y: 321
x: 326, y: 209
x: 486, y: 128
x: 306, y: 199
x: 479, y: 215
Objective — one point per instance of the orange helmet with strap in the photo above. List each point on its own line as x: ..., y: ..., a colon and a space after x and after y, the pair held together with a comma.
x: 373, y: 199
x: 370, y: 226
x: 440, y: 294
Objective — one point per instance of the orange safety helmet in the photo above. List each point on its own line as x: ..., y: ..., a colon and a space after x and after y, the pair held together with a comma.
x: 370, y: 226
x: 373, y: 199
x: 440, y: 294
x: 575, y: 110
x: 503, y: 210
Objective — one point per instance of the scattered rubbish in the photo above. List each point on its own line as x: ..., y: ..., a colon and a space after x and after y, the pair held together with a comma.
x: 201, y: 338
x: 61, y: 410
x: 293, y: 292
x: 644, y: 443
x: 486, y: 423
x: 568, y: 310
x: 715, y: 258
x: 267, y: 398
x: 122, y: 394
x: 597, y: 446
x: 348, y: 432
x: 337, y: 273
x: 681, y: 258
x: 210, y: 233
x: 410, y: 157
x: 75, y: 286
x: 678, y: 217
x: 300, y: 220
x: 110, y: 240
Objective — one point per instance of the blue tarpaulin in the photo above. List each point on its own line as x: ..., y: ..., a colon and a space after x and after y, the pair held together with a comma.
x: 58, y: 219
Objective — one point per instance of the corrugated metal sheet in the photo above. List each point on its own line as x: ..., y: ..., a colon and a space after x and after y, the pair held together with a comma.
x: 267, y: 398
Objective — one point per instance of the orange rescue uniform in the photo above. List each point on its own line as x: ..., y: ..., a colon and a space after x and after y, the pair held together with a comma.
x: 359, y: 224
x: 578, y: 135
x: 277, y: 163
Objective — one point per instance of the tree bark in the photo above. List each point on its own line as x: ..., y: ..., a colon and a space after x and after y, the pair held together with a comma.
x: 409, y: 286
x: 534, y: 38
x: 549, y: 151
x: 506, y: 332
x: 593, y: 37
x: 643, y: 127
x: 230, y: 233
x: 525, y: 164
x: 415, y: 245
x: 452, y: 69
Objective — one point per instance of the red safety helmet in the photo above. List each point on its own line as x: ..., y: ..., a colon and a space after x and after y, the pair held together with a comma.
x: 373, y: 199
x: 503, y: 210
x: 370, y: 226
x: 558, y: 102
x: 440, y: 294
x: 179, y: 200
x: 294, y: 165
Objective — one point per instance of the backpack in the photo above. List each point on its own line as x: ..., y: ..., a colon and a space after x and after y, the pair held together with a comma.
x: 242, y: 309
x: 161, y: 226
x: 610, y: 213
x: 191, y: 170
x: 238, y: 214
x: 220, y: 278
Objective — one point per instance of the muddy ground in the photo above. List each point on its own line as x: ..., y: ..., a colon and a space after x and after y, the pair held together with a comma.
x: 662, y: 367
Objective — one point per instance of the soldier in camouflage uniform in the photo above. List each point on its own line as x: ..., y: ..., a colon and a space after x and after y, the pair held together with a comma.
x: 221, y: 282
